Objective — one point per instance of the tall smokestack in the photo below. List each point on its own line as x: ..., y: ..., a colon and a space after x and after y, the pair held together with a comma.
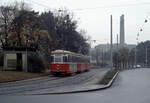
x: 122, y: 32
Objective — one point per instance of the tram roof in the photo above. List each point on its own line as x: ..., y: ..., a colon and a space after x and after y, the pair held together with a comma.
x: 66, y: 52
x: 61, y: 51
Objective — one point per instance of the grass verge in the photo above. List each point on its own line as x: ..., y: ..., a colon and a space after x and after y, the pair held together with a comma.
x: 9, y: 76
x: 107, y: 77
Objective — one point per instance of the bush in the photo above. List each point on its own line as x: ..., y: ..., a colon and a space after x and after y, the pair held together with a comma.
x: 108, y: 76
x: 1, y: 59
x: 35, y: 63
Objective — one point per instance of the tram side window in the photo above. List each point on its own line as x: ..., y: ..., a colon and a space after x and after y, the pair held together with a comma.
x: 69, y: 58
x: 79, y: 59
x: 52, y: 58
x: 82, y: 59
x: 73, y: 59
x: 65, y: 59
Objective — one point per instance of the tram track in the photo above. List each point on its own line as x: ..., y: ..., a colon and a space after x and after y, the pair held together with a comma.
x: 28, y: 82
x: 37, y: 85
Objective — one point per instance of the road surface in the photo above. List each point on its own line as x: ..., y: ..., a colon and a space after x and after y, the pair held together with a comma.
x: 49, y: 83
x: 131, y: 86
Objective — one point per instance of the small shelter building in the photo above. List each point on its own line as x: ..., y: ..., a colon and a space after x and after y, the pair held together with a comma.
x: 16, y: 58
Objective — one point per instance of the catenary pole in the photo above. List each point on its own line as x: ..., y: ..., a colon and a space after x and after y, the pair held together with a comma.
x: 111, y: 42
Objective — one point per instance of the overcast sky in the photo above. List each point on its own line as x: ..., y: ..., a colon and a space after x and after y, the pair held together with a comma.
x: 94, y: 16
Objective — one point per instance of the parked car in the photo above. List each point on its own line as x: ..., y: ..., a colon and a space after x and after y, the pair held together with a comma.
x: 137, y: 66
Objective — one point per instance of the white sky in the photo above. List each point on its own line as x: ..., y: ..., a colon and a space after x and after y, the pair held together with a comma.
x: 94, y: 16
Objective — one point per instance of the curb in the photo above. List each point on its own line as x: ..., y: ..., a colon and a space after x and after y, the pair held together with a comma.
x: 82, y: 91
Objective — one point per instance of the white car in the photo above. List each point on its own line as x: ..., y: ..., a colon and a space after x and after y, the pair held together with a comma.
x: 137, y: 66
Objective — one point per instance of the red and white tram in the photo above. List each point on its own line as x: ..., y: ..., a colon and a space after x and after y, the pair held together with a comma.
x: 66, y: 62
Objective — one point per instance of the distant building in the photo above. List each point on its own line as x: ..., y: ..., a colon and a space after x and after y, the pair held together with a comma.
x: 102, y: 52
x: 106, y: 47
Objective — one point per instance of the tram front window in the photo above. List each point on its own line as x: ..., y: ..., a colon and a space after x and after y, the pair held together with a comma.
x: 57, y: 59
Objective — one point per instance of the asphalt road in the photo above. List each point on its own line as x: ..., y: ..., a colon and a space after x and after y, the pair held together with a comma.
x: 49, y: 83
x: 131, y: 86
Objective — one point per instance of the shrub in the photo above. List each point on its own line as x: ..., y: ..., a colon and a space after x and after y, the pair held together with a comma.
x: 108, y: 76
x: 36, y: 64
x: 1, y: 59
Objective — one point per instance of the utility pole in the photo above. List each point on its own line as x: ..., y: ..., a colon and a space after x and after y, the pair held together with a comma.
x: 117, y: 51
x: 117, y: 41
x: 135, y: 61
x: 102, y: 57
x: 111, y: 46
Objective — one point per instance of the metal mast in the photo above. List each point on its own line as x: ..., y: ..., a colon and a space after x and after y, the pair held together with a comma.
x: 111, y: 41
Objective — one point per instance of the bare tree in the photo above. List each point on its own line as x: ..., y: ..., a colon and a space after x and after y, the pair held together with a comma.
x: 6, y: 17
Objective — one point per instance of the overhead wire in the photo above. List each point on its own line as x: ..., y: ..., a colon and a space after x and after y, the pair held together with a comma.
x: 141, y: 28
x: 82, y: 9
x: 113, y: 6
x: 105, y: 6
x: 40, y: 4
